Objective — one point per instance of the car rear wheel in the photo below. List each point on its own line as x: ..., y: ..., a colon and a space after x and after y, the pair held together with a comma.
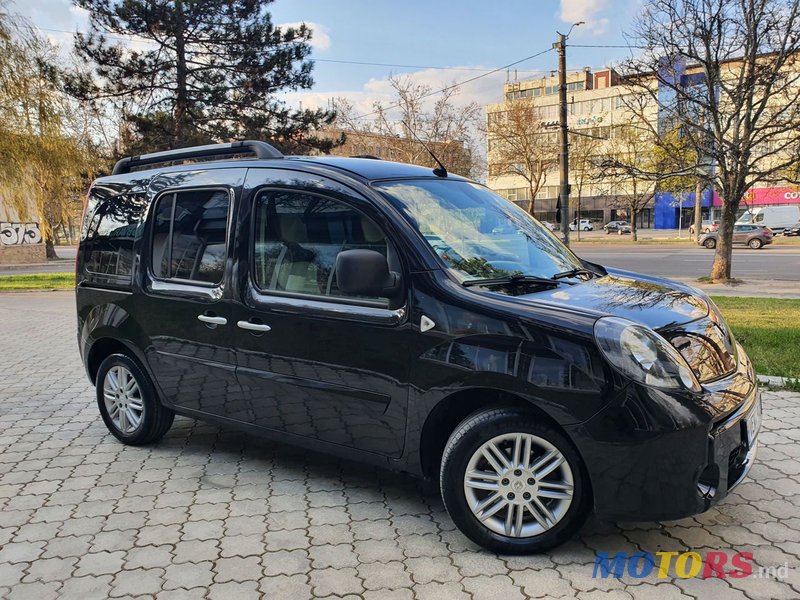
x: 710, y: 243
x: 128, y: 403
x: 755, y: 243
x: 513, y: 484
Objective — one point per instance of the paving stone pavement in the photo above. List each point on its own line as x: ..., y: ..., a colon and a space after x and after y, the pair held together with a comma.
x: 212, y: 513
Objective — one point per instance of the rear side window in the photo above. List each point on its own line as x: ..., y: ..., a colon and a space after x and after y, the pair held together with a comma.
x: 298, y: 236
x: 111, y: 225
x: 189, y: 236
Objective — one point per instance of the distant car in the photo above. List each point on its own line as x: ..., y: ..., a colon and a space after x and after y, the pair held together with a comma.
x: 549, y: 225
x: 794, y: 230
x: 624, y: 229
x: 753, y: 236
x: 707, y: 226
x: 585, y: 225
x: 614, y: 226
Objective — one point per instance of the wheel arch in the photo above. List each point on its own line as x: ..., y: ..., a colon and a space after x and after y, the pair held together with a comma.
x: 451, y: 410
x: 104, y: 347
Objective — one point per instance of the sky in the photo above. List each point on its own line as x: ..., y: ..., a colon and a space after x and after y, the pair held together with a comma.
x: 461, y: 38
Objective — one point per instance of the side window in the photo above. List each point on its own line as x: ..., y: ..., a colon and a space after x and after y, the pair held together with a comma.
x: 759, y: 217
x: 298, y: 236
x: 189, y: 236
x: 111, y: 225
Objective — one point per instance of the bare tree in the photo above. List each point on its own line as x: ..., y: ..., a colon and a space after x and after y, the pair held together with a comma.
x: 584, y: 149
x: 630, y: 170
x: 727, y: 74
x: 521, y: 145
x: 394, y: 127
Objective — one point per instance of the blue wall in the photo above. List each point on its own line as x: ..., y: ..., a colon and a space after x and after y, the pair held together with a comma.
x: 666, y: 207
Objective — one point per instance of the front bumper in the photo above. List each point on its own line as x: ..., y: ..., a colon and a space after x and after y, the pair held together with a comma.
x: 655, y: 456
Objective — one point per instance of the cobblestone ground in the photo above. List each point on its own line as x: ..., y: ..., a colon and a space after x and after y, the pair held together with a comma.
x: 211, y: 513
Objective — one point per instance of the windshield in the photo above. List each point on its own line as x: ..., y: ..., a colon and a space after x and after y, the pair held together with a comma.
x: 477, y: 233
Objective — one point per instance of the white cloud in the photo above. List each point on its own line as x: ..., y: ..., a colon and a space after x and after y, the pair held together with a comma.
x: 588, y: 11
x: 320, y: 39
x: 483, y: 91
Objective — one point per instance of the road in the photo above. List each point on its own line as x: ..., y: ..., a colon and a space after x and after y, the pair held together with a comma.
x: 667, y: 260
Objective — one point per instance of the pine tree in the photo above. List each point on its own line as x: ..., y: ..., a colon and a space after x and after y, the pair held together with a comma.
x: 197, y: 72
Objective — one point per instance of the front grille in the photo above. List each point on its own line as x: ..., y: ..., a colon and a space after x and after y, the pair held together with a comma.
x: 707, y: 346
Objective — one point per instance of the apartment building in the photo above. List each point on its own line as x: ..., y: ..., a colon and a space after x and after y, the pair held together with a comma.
x: 599, y: 108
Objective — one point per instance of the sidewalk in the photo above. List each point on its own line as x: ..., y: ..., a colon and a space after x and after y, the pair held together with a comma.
x: 756, y: 289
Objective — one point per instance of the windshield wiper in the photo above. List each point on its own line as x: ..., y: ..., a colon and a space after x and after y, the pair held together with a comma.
x: 511, y: 280
x: 574, y: 272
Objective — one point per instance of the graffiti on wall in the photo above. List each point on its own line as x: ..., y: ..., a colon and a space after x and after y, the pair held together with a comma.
x: 15, y: 234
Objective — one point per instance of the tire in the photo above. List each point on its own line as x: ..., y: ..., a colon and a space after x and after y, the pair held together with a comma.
x: 586, y: 229
x: 710, y: 243
x: 755, y: 243
x: 532, y: 534
x: 608, y: 232
x: 155, y: 419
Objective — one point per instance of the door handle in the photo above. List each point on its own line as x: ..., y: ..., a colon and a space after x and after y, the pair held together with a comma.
x: 250, y: 326
x: 213, y: 320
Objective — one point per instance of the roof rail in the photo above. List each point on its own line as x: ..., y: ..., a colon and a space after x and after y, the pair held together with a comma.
x: 259, y: 148
x: 370, y: 156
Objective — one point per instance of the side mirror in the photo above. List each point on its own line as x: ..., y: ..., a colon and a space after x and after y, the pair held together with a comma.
x: 365, y: 273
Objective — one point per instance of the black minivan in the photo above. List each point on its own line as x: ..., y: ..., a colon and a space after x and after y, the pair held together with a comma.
x: 411, y: 319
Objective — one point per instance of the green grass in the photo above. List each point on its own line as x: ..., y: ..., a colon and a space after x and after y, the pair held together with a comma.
x: 36, y: 281
x: 768, y: 329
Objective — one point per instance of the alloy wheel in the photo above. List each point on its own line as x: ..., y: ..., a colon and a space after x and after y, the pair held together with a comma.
x: 123, y: 399
x: 518, y: 485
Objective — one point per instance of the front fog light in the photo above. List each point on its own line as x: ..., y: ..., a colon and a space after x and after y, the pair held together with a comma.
x: 641, y: 354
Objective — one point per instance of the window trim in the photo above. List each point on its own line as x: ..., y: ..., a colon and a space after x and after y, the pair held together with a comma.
x: 153, y: 208
x: 333, y: 301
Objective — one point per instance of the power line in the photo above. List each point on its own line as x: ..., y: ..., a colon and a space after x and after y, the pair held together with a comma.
x: 459, y: 84
x: 627, y: 47
x: 327, y: 60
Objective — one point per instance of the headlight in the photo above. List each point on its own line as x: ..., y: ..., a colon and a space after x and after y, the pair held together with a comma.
x: 641, y: 354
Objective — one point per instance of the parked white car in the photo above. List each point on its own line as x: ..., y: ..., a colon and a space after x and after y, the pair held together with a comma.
x: 586, y: 225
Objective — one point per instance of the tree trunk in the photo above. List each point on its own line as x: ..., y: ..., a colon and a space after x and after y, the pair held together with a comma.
x: 50, y: 246
x: 698, y: 210
x: 533, y: 199
x: 634, y: 235
x: 721, y: 268
x: 181, y: 93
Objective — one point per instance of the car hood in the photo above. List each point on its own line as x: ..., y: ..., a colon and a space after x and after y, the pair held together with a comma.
x: 657, y: 303
x: 679, y: 312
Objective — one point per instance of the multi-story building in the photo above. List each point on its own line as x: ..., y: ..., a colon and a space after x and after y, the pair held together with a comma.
x: 601, y: 108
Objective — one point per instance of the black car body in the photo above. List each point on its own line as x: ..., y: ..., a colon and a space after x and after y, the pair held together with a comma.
x: 794, y: 230
x: 181, y: 273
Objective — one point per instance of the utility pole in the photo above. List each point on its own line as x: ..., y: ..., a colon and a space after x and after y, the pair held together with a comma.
x: 563, y: 163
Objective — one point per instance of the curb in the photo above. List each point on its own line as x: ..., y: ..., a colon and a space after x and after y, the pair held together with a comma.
x: 775, y: 382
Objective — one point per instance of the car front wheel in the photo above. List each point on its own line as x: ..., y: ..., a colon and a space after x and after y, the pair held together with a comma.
x: 512, y: 483
x: 755, y: 243
x: 128, y: 403
x: 710, y: 243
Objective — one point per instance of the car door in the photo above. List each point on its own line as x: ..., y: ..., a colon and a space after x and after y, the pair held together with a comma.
x: 312, y: 361
x: 740, y: 233
x: 185, y: 306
